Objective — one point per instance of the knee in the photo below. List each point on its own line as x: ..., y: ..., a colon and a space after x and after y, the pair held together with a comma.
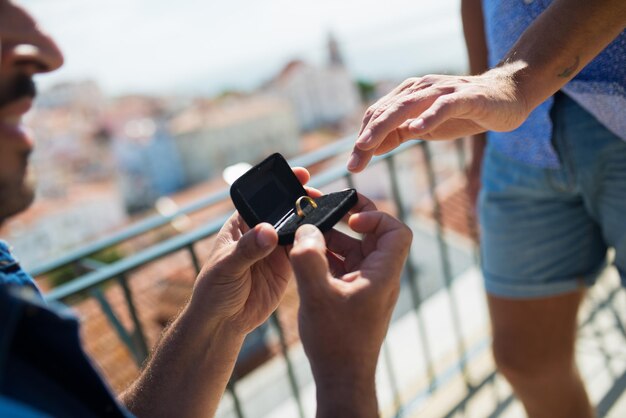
x: 509, y: 360
x: 521, y: 362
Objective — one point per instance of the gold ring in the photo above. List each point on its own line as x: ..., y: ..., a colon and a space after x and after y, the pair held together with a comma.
x: 299, y: 210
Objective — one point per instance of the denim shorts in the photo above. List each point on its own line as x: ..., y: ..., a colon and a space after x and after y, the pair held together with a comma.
x: 546, y: 232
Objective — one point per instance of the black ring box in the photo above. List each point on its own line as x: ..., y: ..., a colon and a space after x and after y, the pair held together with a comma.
x: 268, y: 193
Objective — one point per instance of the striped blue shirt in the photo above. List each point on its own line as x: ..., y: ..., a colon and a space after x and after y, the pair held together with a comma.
x: 600, y: 87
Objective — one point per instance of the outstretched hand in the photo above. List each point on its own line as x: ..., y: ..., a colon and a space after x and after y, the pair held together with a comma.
x: 439, y: 107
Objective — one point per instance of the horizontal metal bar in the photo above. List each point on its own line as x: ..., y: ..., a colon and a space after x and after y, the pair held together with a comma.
x: 136, y: 260
x: 323, y: 153
x: 335, y: 173
x: 132, y: 231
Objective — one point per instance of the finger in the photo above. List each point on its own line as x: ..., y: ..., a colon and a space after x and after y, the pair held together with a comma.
x: 342, y: 244
x: 313, y: 192
x: 395, y: 138
x: 302, y: 174
x: 363, y: 204
x: 406, y: 87
x: 253, y: 246
x: 373, y: 222
x: 385, y: 245
x: 308, y: 259
x: 366, y: 118
x: 233, y: 227
x: 405, y: 107
x: 359, y: 159
x: 379, y: 105
x: 242, y: 226
x: 336, y: 264
x: 443, y: 109
x: 348, y: 248
x: 390, y: 234
x: 390, y: 126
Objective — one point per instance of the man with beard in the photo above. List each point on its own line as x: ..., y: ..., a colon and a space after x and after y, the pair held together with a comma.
x: 346, y: 301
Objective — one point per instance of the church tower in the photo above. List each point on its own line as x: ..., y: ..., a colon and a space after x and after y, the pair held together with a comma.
x: 335, y: 59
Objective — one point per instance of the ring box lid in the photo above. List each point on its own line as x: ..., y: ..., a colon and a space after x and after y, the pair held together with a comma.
x: 268, y: 193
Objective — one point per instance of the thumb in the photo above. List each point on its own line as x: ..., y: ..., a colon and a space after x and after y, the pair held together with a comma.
x: 253, y: 246
x: 308, y: 259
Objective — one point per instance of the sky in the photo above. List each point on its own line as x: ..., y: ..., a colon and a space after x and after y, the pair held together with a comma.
x: 204, y: 47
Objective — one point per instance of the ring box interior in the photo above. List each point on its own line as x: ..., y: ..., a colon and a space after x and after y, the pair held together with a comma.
x: 268, y: 193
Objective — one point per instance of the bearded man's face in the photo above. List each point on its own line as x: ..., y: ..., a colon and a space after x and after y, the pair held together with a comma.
x: 24, y: 51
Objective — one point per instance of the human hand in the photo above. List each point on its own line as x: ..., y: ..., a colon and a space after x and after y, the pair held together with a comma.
x: 246, y: 275
x: 239, y: 286
x: 440, y: 107
x: 347, y: 295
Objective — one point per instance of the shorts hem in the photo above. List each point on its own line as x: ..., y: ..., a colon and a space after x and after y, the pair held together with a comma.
x: 498, y: 286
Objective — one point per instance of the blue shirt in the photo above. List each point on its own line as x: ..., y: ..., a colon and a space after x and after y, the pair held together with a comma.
x: 600, y: 87
x: 43, y: 370
x: 12, y: 273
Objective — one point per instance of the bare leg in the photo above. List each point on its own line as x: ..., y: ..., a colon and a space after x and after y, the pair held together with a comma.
x: 534, y: 349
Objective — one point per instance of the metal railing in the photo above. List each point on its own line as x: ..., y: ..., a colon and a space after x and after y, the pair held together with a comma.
x: 91, y: 283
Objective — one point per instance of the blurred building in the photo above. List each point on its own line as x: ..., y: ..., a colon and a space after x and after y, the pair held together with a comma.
x: 211, y: 135
x: 148, y: 165
x: 52, y: 226
x: 69, y: 146
x: 320, y: 95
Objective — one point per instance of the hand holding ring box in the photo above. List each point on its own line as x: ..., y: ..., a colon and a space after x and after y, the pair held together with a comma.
x: 270, y: 192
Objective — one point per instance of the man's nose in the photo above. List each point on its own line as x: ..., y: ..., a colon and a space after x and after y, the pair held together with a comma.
x: 36, y: 54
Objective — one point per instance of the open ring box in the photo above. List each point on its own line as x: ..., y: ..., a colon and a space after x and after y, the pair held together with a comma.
x: 268, y: 192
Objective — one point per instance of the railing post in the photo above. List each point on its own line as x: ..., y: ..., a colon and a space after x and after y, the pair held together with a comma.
x: 393, y: 382
x: 135, y: 341
x: 471, y: 219
x: 123, y: 334
x: 290, y: 370
x: 445, y: 261
x: 412, y: 275
x: 194, y: 258
x: 138, y: 334
x: 350, y: 180
x: 230, y: 387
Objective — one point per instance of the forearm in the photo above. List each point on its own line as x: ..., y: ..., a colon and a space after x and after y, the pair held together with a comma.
x: 188, y: 371
x: 474, y: 33
x: 563, y: 39
x: 477, y: 53
x: 346, y: 382
x: 354, y: 397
